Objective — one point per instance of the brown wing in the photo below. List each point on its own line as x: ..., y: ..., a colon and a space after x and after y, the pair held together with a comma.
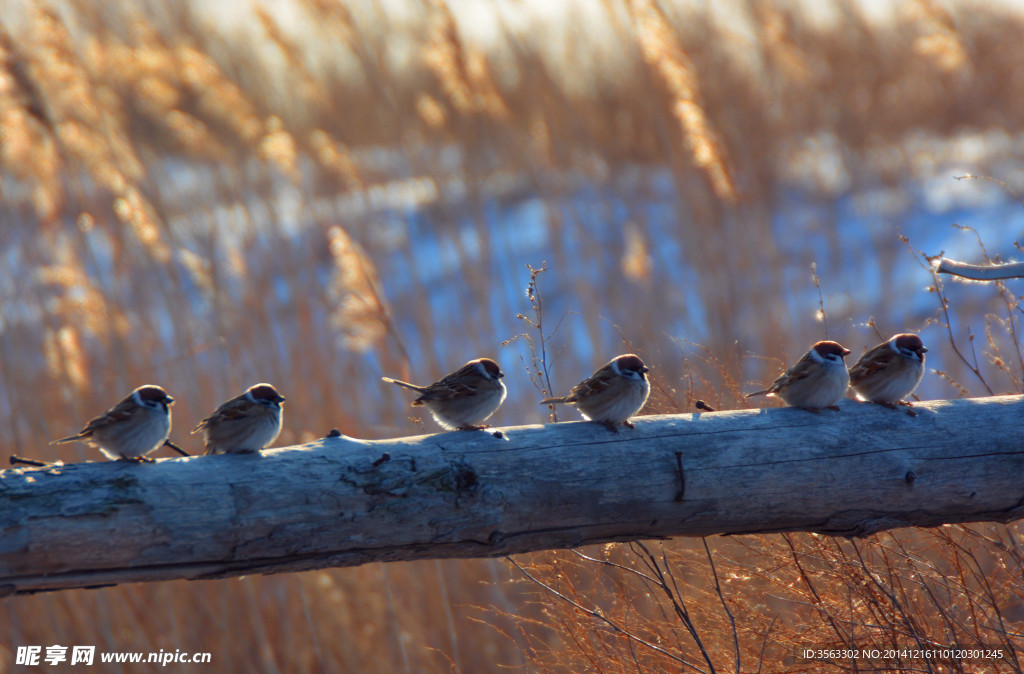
x: 798, y: 372
x: 871, y: 362
x: 592, y: 386
x: 229, y: 411
x: 122, y: 411
x: 463, y: 383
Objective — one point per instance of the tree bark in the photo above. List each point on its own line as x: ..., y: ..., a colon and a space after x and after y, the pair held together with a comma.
x: 343, y: 502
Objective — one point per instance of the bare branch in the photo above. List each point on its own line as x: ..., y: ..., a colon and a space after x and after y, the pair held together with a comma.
x: 988, y: 272
x: 725, y: 604
x: 598, y: 615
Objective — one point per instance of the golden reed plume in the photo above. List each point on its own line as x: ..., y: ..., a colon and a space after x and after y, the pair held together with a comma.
x: 663, y: 52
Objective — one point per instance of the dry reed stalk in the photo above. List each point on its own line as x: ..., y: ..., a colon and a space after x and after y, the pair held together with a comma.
x: 664, y: 53
x: 88, y: 131
x: 361, y: 313
x: 941, y: 42
x: 278, y: 148
x: 28, y: 151
x: 460, y: 69
x: 301, y: 80
x: 147, y: 75
x: 785, y: 56
x: 336, y: 158
x: 217, y: 98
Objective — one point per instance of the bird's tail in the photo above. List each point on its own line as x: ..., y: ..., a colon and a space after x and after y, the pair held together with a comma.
x: 414, y: 387
x: 70, y: 438
x: 759, y: 393
x: 554, y: 401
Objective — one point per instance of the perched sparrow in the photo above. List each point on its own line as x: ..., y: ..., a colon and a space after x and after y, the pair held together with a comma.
x: 131, y: 429
x: 464, y: 399
x: 889, y: 372
x: 819, y: 379
x: 611, y: 395
x: 244, y: 424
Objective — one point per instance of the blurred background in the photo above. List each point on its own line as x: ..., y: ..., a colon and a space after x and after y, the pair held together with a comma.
x: 315, y: 193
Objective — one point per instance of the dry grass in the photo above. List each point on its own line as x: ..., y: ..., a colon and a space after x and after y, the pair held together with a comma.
x: 204, y: 209
x: 755, y: 603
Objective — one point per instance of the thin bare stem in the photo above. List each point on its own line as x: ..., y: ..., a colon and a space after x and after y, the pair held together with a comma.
x: 674, y: 597
x: 990, y: 179
x: 944, y: 306
x: 821, y: 298
x: 594, y: 613
x: 538, y: 369
x: 725, y: 606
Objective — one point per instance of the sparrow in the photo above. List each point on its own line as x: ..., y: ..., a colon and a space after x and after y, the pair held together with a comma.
x: 133, y: 428
x: 464, y: 399
x: 611, y: 395
x: 818, y: 380
x: 889, y: 372
x: 244, y: 424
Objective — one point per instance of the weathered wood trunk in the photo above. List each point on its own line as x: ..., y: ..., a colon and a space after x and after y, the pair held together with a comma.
x: 340, y: 501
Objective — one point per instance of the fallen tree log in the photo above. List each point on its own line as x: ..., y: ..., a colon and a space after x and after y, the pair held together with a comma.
x: 341, y: 501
